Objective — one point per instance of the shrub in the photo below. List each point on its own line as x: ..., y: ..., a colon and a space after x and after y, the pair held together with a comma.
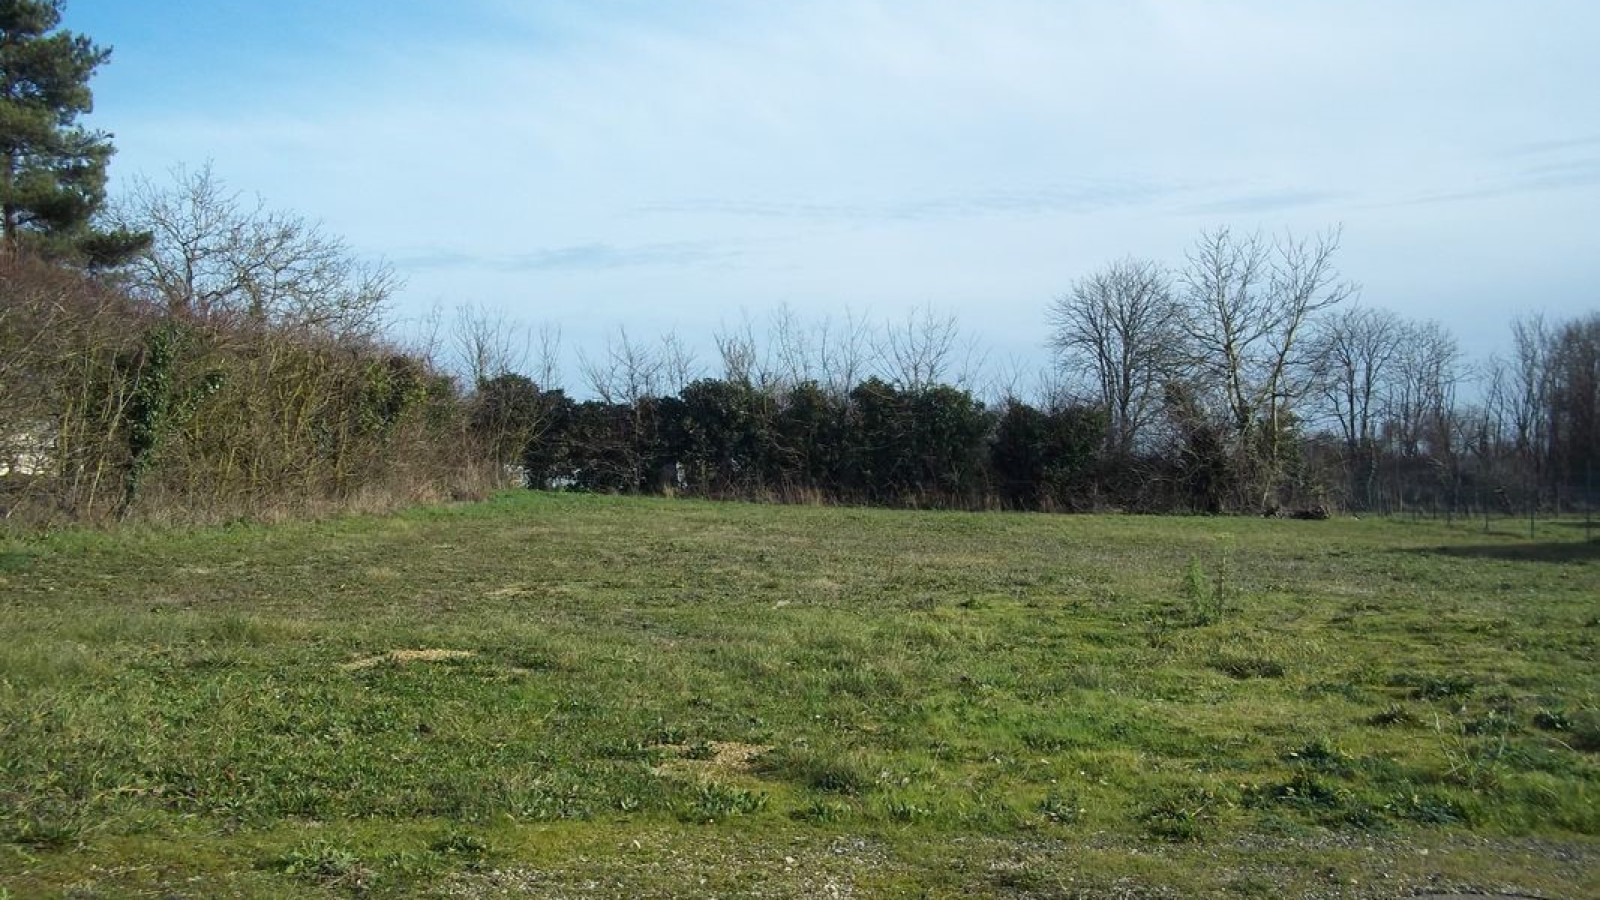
x: 129, y: 408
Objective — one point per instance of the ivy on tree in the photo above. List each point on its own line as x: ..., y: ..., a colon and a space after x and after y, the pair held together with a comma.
x: 52, y: 169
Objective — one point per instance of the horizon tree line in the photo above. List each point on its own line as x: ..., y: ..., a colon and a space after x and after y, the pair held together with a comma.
x: 184, y: 350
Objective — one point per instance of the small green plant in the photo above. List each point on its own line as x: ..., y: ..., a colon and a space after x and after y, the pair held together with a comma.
x: 1552, y: 720
x: 412, y: 865
x: 1578, y: 730
x: 821, y: 812
x: 1437, y: 687
x: 1583, y: 731
x: 1475, y: 763
x: 1427, y: 808
x: 712, y: 803
x: 49, y: 823
x: 325, y: 864
x: 1305, y: 790
x: 1322, y: 755
x: 44, y: 832
x: 629, y: 749
x: 1309, y: 792
x: 1394, y: 715
x: 906, y: 812
x: 1062, y: 808
x: 1495, y: 722
x: 461, y: 844
x: 1194, y: 580
x: 1207, y: 595
x: 1186, y: 816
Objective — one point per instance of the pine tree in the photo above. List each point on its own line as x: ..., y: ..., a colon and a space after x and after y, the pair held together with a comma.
x: 52, y: 170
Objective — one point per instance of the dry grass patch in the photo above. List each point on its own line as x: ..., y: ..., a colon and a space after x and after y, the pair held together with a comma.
x: 408, y: 656
x: 711, y: 759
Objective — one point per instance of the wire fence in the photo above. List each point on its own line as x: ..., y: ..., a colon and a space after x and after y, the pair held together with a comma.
x: 1557, y: 511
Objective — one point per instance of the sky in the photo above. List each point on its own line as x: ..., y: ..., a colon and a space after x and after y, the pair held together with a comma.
x: 685, y: 165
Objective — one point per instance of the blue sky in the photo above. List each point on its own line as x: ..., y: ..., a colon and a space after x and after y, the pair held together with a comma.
x: 676, y: 165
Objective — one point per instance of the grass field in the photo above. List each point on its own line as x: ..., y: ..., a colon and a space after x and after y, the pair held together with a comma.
x: 569, y: 696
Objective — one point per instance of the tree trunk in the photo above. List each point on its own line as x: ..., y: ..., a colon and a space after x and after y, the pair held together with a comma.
x: 8, y: 180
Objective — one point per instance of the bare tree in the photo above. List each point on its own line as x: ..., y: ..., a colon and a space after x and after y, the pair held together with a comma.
x: 1015, y: 379
x: 1354, y: 351
x: 486, y: 344
x: 626, y: 373
x: 547, y: 356
x: 1549, y: 401
x: 744, y: 358
x: 1529, y: 399
x: 1248, y: 306
x: 1304, y: 283
x: 794, y: 347
x: 678, y: 366
x: 845, y: 354
x: 1118, y: 328
x: 1422, y: 397
x: 1492, y: 434
x: 213, y: 253
x: 920, y: 352
x: 1228, y: 317
x: 425, y: 336
x: 1574, y: 400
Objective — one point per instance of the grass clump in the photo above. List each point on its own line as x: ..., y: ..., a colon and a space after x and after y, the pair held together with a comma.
x: 711, y: 803
x: 1062, y: 808
x: 1552, y: 720
x: 1186, y: 815
x: 828, y: 773
x: 1579, y: 731
x: 1242, y: 667
x: 327, y: 865
x: 907, y: 811
x: 1321, y: 755
x: 1436, y: 687
x: 461, y: 845
x: 1428, y: 808
x: 1395, y: 715
x: 46, y: 824
x: 821, y: 812
x: 1314, y: 794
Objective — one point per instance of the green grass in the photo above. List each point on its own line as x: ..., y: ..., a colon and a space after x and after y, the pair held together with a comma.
x: 669, y: 698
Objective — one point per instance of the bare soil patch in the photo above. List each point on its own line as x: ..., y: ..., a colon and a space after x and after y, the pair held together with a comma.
x: 711, y: 759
